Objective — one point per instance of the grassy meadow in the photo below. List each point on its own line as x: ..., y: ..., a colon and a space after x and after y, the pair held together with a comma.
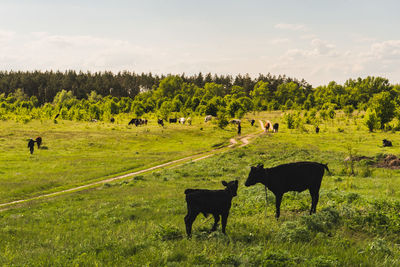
x: 75, y: 153
x: 139, y: 221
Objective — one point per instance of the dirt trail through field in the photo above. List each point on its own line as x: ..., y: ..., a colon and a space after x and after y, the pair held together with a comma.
x: 175, y: 163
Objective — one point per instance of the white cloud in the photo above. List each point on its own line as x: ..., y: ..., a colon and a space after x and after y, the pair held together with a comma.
x: 42, y: 50
x: 279, y: 41
x: 322, y: 47
x: 292, y: 27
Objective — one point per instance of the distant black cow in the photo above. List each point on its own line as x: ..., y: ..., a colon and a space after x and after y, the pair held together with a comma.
x: 275, y: 127
x: 132, y: 121
x: 317, y: 129
x: 173, y: 120
x: 112, y: 120
x: 31, y: 145
x: 38, y: 141
x: 215, y: 202
x: 160, y: 122
x: 386, y: 143
x: 136, y: 122
x: 252, y: 122
x: 235, y: 121
x: 297, y: 176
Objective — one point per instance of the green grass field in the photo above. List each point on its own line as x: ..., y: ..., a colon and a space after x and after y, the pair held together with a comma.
x: 76, y: 153
x: 139, y: 221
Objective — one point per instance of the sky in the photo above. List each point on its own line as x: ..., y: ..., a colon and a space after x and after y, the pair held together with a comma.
x: 316, y: 40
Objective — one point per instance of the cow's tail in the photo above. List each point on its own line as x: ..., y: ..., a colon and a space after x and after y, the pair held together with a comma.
x: 326, y: 167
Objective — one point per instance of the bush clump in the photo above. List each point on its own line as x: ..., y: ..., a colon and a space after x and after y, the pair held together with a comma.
x: 168, y: 232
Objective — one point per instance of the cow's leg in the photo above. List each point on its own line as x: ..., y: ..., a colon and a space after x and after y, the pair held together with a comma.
x: 189, y: 219
x: 216, y: 220
x: 314, y: 201
x: 278, y: 200
x: 224, y: 221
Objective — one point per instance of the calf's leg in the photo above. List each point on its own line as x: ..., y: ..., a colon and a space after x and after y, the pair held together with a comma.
x: 216, y: 220
x: 314, y: 201
x: 278, y: 200
x: 224, y: 221
x: 189, y: 219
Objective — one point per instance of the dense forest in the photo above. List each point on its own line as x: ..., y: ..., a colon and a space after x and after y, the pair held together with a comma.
x: 101, y: 95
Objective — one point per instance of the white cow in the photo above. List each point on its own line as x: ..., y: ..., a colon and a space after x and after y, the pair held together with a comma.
x: 208, y: 118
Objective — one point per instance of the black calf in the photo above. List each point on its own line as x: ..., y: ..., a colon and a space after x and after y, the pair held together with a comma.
x: 215, y: 202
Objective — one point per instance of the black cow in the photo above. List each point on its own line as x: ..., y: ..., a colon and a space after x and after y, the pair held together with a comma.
x: 173, y: 120
x: 317, y: 129
x: 215, y: 202
x: 275, y: 127
x: 386, y: 143
x: 160, y: 122
x: 112, y: 120
x: 297, y: 176
x: 38, y: 141
x: 252, y: 122
x: 136, y: 122
x: 132, y: 121
x: 31, y: 145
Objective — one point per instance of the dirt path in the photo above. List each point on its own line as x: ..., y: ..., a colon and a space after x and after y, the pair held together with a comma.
x: 262, y: 125
x: 174, y: 163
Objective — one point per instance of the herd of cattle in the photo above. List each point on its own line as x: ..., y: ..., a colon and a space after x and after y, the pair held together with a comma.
x: 298, y: 176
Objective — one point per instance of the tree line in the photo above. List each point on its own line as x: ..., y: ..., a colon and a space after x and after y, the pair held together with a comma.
x: 86, y: 96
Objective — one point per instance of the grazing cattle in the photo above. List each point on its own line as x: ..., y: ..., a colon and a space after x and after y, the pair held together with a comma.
x: 189, y: 121
x: 31, y: 145
x: 215, y: 202
x: 317, y: 129
x: 137, y: 122
x: 386, y: 143
x: 208, y: 118
x: 160, y: 122
x: 173, y: 120
x: 182, y: 120
x: 297, y: 176
x: 132, y: 121
x: 275, y: 127
x: 38, y: 141
x: 267, y: 125
x: 235, y: 121
x: 57, y: 116
x: 252, y: 122
x: 112, y: 120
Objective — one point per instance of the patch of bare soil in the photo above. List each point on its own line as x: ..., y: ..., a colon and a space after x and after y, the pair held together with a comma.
x: 389, y: 161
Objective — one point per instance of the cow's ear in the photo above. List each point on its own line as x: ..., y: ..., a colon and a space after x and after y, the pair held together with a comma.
x: 224, y: 183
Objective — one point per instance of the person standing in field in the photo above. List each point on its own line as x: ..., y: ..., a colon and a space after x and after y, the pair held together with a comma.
x: 239, y: 128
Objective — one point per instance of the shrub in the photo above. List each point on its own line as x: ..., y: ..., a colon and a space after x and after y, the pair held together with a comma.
x: 324, y: 261
x: 293, y: 232
x: 379, y: 246
x: 322, y: 221
x: 168, y: 232
x: 371, y: 120
x: 291, y: 120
